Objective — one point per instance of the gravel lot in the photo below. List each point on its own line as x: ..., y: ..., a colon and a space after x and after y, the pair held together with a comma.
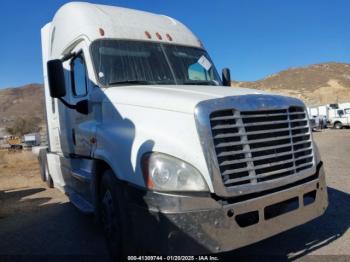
x: 38, y: 221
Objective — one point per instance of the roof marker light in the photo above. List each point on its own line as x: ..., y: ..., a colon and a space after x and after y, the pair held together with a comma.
x: 102, y: 32
x: 159, y: 36
x: 169, y: 37
x: 148, y: 35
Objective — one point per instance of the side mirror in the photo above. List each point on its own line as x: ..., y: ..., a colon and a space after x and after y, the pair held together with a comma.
x: 55, y: 74
x: 226, y: 77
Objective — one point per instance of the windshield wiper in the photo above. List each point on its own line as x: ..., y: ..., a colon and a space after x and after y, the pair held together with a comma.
x: 131, y: 82
x: 200, y: 82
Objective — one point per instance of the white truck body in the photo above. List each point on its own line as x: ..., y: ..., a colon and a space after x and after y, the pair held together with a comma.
x: 337, y: 115
x: 32, y: 139
x: 318, y: 111
x: 127, y: 122
x: 318, y: 116
x: 340, y: 117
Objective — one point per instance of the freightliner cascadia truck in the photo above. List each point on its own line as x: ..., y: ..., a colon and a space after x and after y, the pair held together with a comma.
x: 144, y: 133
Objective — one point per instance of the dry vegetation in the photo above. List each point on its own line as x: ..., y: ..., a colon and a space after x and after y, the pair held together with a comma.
x: 25, y: 102
x: 19, y: 165
x: 22, y: 126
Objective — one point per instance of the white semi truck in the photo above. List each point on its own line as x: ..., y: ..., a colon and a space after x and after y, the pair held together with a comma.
x: 145, y: 134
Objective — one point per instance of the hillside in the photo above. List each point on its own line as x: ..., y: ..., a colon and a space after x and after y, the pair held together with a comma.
x: 315, y: 84
x: 26, y: 101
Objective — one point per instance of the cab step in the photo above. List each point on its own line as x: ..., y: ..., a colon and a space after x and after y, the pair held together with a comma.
x: 80, y: 203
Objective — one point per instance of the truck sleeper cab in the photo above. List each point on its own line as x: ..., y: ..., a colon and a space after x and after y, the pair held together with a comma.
x: 145, y: 134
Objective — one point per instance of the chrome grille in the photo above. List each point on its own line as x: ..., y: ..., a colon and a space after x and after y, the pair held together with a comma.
x: 258, y: 146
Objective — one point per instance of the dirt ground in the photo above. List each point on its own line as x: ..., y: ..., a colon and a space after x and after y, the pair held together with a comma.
x: 38, y: 221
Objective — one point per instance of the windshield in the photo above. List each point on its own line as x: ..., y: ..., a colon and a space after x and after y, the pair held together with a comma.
x: 127, y: 62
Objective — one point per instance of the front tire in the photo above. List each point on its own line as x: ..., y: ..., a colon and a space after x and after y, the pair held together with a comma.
x: 111, y: 208
x: 338, y: 125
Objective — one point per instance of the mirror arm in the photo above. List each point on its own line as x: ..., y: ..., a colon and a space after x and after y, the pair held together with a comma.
x: 68, y: 56
x: 66, y: 104
x: 81, y: 107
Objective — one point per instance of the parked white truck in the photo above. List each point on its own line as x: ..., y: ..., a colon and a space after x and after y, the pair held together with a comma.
x: 144, y: 133
x: 336, y: 115
x: 32, y: 139
x: 339, y: 115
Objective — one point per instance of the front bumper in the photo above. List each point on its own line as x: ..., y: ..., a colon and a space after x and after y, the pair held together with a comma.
x: 173, y: 224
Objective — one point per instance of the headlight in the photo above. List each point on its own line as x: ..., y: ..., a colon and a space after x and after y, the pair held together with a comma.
x: 165, y: 173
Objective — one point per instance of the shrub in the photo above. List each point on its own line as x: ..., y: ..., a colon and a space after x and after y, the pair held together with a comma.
x: 24, y: 126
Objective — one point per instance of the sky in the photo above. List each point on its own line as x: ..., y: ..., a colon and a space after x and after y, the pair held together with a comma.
x: 254, y: 38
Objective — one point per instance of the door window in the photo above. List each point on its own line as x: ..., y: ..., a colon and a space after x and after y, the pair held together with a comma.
x: 79, y: 80
x: 340, y: 113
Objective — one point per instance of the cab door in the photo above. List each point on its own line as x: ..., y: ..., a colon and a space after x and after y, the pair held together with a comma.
x: 342, y: 117
x: 82, y: 125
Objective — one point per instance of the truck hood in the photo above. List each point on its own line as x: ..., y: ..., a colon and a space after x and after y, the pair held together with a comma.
x: 171, y: 97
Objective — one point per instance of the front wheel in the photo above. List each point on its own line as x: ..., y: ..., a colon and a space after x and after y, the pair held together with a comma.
x: 111, y: 218
x: 338, y: 125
